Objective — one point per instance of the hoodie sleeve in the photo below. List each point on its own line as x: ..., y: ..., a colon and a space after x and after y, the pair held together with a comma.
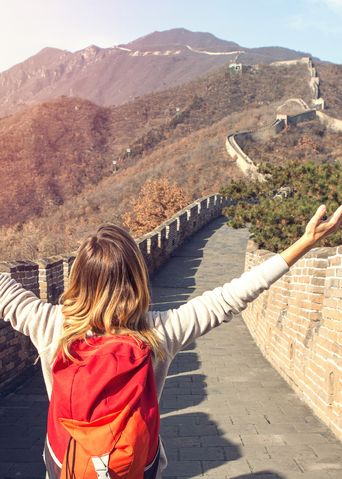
x: 181, y: 326
x: 27, y: 313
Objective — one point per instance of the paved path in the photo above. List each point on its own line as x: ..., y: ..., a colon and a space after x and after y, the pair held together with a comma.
x: 226, y: 413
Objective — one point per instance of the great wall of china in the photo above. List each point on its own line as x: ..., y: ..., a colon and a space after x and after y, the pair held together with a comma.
x: 177, y: 51
x: 246, y: 164
x: 296, y: 323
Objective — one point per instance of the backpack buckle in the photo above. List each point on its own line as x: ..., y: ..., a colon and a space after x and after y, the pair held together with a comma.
x: 100, y: 464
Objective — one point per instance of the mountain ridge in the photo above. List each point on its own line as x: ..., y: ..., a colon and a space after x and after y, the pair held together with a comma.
x: 50, y: 152
x: 182, y: 36
x: 118, y: 74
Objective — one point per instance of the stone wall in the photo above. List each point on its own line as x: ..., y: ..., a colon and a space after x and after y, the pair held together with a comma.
x: 333, y: 124
x: 243, y: 161
x: 306, y: 115
x: 48, y: 277
x: 234, y: 140
x: 296, y: 61
x: 297, y: 325
x: 246, y: 164
x: 316, y: 101
x: 297, y: 101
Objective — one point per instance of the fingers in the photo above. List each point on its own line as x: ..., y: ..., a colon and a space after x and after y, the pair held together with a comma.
x: 317, y: 217
x: 336, y: 220
x: 320, y: 212
x: 337, y: 216
x: 332, y: 223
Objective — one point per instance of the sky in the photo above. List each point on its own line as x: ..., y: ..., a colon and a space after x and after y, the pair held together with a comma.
x: 27, y: 26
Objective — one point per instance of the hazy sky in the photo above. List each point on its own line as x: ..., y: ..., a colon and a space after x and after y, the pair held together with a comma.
x: 27, y: 26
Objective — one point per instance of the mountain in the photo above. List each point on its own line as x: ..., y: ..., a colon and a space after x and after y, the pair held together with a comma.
x: 182, y: 37
x: 113, y: 76
x: 56, y: 157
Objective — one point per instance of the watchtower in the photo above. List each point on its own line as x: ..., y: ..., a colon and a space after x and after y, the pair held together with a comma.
x: 235, y: 69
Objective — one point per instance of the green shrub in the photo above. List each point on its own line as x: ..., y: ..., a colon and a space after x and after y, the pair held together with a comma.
x: 275, y: 223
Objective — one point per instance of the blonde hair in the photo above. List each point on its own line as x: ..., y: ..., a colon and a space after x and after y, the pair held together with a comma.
x: 108, y: 291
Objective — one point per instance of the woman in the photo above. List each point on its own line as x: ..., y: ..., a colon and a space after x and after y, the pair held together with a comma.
x: 108, y: 294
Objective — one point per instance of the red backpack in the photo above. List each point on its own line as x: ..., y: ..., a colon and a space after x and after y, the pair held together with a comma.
x: 103, y: 419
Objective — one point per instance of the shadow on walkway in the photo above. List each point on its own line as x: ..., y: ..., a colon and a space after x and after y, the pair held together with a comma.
x: 194, y: 442
x: 174, y: 283
x: 260, y: 475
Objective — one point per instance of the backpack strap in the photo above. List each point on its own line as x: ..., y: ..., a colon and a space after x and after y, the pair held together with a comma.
x: 100, y: 464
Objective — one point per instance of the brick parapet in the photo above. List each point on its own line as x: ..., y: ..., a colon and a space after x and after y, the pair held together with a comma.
x: 297, y: 325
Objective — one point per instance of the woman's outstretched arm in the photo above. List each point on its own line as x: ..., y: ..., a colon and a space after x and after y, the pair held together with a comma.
x: 181, y: 326
x: 27, y: 313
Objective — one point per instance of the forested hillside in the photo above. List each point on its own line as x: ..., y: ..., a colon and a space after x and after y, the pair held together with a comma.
x: 179, y: 134
x: 51, y: 152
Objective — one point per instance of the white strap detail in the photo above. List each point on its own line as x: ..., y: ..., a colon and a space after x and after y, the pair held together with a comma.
x: 59, y: 464
x: 100, y: 464
x: 154, y: 459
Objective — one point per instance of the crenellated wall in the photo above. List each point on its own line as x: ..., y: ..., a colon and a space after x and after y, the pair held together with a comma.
x: 48, y: 277
x: 297, y: 325
x: 316, y: 101
x: 296, y: 61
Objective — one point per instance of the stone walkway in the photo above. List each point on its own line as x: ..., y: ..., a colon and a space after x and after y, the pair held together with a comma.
x: 226, y: 413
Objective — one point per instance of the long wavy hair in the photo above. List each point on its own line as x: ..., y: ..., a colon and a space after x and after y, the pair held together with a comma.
x: 108, y: 291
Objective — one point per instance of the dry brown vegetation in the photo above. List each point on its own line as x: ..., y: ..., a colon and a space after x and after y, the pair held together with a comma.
x: 208, y: 100
x: 198, y: 163
x: 187, y: 146
x: 331, y: 87
x: 157, y: 201
x: 305, y: 141
x: 50, y: 153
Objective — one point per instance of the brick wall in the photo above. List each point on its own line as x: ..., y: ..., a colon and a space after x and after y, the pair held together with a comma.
x: 297, y: 325
x: 48, y: 277
x: 333, y: 124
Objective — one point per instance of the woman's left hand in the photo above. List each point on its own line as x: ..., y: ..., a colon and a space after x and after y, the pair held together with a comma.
x: 317, y: 228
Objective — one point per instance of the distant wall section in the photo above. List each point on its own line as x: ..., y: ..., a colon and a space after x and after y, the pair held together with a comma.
x: 234, y: 140
x: 333, y: 124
